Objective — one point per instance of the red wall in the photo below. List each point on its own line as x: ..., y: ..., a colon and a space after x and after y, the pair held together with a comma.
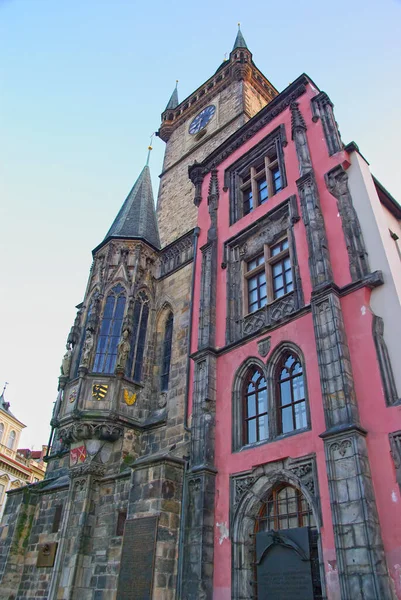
x: 376, y: 418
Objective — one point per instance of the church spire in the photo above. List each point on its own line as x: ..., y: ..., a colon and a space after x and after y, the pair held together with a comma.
x: 137, y: 216
x: 239, y: 40
x: 173, y: 102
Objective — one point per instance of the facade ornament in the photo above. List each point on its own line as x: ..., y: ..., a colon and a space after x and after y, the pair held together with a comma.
x: 73, y: 336
x: 66, y: 362
x: 264, y: 346
x: 298, y: 129
x: 123, y: 350
x: 87, y: 349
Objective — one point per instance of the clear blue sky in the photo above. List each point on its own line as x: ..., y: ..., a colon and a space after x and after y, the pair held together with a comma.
x: 83, y: 83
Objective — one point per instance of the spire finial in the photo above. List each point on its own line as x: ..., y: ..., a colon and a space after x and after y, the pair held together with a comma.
x: 149, y: 149
x: 239, y: 40
x: 4, y: 388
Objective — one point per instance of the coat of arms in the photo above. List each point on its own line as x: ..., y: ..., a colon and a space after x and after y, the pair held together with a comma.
x: 129, y: 399
x: 99, y: 391
x: 73, y: 395
x: 77, y: 455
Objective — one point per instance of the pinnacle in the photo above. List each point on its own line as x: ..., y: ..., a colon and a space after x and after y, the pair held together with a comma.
x: 239, y: 40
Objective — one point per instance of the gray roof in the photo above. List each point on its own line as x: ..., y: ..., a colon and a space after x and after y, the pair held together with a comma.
x: 137, y: 216
x: 239, y: 41
x: 173, y: 102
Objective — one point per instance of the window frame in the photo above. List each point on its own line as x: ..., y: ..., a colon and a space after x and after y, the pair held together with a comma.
x: 277, y: 394
x: 106, y: 353
x: 245, y: 395
x: 264, y: 158
x: 167, y: 352
x: 267, y: 267
x: 262, y: 170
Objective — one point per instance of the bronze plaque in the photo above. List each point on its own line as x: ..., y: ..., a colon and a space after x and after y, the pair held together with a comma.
x: 283, y: 565
x: 46, y: 554
x: 137, y: 559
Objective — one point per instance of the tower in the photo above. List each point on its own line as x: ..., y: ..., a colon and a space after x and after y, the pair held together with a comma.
x: 198, y: 125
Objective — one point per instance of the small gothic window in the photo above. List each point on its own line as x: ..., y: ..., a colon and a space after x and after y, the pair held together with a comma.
x: 168, y: 337
x: 291, y: 395
x: 140, y: 322
x: 1, y: 431
x: 110, y: 331
x: 57, y: 518
x: 256, y: 425
x: 121, y: 518
x: 11, y: 440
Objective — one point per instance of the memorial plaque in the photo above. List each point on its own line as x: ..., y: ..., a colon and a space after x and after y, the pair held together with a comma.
x: 283, y: 565
x: 137, y: 559
x: 46, y: 554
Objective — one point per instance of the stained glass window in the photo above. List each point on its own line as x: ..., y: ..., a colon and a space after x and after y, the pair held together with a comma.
x: 110, y: 331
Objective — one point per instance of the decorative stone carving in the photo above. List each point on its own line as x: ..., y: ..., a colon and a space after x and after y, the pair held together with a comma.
x: 87, y: 349
x: 298, y: 130
x: 85, y: 430
x: 386, y: 370
x: 176, y: 254
x: 337, y: 183
x: 322, y: 108
x: 66, y: 363
x: 395, y: 445
x: 123, y: 350
x: 75, y: 331
x: 91, y: 468
x: 264, y: 346
x: 319, y: 259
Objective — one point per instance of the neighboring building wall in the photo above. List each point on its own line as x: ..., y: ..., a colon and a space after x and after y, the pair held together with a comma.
x: 375, y: 220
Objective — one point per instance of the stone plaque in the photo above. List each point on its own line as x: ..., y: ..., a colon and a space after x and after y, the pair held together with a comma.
x: 283, y: 565
x: 137, y: 559
x: 46, y: 554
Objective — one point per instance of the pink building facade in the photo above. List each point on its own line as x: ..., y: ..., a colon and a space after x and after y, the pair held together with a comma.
x: 294, y: 407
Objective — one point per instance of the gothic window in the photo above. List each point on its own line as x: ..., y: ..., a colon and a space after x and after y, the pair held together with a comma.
x: 269, y: 276
x: 140, y: 322
x: 257, y: 176
x: 11, y: 440
x: 290, y: 395
x: 57, y: 518
x: 256, y: 424
x: 168, y: 338
x: 110, y: 331
x: 1, y: 431
x: 121, y: 518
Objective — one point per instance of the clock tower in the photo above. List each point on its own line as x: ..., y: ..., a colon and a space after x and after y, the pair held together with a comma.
x: 198, y: 125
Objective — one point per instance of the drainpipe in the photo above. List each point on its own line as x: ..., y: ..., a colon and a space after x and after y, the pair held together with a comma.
x: 191, y: 311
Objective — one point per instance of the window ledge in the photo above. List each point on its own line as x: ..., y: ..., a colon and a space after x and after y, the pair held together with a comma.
x: 271, y: 440
x: 270, y: 314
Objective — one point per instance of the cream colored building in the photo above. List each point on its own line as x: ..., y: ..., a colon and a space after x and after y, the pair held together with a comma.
x: 17, y: 466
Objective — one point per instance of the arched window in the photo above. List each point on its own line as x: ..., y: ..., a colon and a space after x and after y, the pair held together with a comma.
x: 1, y: 431
x: 291, y: 395
x: 285, y: 508
x: 256, y: 422
x: 11, y: 440
x: 168, y: 338
x: 110, y: 331
x: 140, y: 322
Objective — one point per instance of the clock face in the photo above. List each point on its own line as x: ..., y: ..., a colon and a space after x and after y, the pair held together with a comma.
x: 201, y: 120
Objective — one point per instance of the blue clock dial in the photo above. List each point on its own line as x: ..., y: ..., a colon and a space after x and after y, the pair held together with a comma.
x: 201, y: 120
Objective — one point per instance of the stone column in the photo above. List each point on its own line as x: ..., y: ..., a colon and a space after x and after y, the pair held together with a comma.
x: 198, y: 548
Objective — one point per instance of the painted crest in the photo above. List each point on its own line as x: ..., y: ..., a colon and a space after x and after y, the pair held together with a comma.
x: 73, y: 395
x: 99, y: 391
x: 264, y: 346
x: 129, y: 399
x: 77, y: 455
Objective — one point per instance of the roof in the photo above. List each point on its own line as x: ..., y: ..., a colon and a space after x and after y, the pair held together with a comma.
x: 137, y: 216
x: 387, y: 199
x: 239, y: 40
x: 173, y: 102
x: 5, y: 407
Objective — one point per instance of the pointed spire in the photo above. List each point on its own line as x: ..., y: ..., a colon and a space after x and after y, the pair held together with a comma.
x: 239, y: 40
x: 137, y: 216
x: 173, y: 102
